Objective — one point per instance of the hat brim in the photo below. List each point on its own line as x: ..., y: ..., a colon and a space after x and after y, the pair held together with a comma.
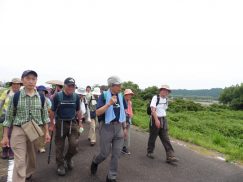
x: 165, y: 89
x: 55, y: 82
x: 96, y: 93
x: 31, y: 72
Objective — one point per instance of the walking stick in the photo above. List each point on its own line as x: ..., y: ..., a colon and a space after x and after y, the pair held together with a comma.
x: 49, y: 154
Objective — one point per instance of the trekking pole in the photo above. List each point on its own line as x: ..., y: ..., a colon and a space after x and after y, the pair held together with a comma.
x: 49, y: 154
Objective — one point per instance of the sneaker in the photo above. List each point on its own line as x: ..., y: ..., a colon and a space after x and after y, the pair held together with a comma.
x: 93, y: 168
x: 150, y: 155
x: 110, y: 180
x: 171, y: 159
x: 42, y: 150
x: 61, y: 171
x: 125, y: 151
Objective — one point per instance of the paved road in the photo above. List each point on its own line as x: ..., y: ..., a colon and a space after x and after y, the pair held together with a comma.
x: 192, y: 167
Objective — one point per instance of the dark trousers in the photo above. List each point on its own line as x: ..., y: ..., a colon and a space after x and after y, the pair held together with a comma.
x: 163, y: 135
x: 60, y: 137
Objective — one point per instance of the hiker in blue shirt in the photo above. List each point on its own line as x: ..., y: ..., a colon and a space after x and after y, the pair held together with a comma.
x: 111, y: 111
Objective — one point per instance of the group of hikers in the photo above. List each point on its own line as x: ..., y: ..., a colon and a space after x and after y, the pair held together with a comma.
x: 31, y: 114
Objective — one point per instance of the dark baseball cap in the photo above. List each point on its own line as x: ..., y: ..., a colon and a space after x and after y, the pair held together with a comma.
x: 28, y: 72
x: 69, y: 81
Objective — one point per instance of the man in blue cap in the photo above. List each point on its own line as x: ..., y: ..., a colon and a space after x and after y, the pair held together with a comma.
x: 29, y: 104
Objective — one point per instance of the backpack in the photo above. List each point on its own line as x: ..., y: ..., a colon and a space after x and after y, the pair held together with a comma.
x: 16, y: 101
x: 66, y: 104
x: 148, y: 106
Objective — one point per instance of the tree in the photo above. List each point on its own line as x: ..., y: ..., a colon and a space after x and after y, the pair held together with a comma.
x: 233, y: 96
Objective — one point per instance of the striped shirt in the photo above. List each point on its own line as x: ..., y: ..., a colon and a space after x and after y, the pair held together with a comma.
x: 28, y: 108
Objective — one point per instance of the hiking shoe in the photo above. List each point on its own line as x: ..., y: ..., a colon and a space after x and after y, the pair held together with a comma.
x: 110, y: 180
x: 93, y: 168
x: 5, y: 153
x: 150, y: 155
x: 125, y: 151
x: 171, y: 159
x: 70, y: 164
x: 61, y: 171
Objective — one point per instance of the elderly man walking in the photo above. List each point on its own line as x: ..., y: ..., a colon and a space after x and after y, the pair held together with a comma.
x: 27, y: 111
x: 158, y: 124
x: 66, y: 110
x: 111, y: 110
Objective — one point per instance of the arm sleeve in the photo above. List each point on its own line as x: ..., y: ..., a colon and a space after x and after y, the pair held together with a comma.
x: 153, y: 102
x: 101, y: 101
x: 45, y: 116
x: 9, y: 114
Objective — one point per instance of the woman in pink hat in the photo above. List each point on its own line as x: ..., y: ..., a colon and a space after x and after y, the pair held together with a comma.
x: 128, y: 93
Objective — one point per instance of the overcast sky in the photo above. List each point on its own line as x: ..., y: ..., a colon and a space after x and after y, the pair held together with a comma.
x: 187, y: 44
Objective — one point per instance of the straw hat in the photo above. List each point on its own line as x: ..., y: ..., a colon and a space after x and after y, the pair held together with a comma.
x: 96, y: 91
x: 166, y: 87
x: 128, y: 92
x: 55, y: 82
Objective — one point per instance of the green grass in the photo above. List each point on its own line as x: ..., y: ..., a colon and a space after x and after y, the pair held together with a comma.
x: 220, y: 130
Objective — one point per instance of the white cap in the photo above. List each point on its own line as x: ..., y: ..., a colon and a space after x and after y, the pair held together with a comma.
x: 80, y: 91
x: 96, y: 91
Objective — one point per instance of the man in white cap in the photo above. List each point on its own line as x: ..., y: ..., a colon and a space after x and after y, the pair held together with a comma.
x: 111, y: 110
x: 158, y: 124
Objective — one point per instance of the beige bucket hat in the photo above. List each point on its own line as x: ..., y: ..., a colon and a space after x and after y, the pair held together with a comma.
x: 166, y: 87
x: 16, y: 80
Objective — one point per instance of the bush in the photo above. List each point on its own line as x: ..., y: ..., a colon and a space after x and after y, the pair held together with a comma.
x: 180, y: 105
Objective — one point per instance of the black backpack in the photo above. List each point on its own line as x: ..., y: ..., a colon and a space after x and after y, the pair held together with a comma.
x: 148, y: 106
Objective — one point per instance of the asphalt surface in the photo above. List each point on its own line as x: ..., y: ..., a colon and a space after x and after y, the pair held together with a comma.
x: 192, y: 167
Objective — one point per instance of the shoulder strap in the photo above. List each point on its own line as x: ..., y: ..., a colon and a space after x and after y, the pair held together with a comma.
x: 42, y: 98
x: 158, y: 97
x: 15, y: 102
x: 60, y: 96
x: 8, y: 92
x: 16, y: 99
x: 104, y: 96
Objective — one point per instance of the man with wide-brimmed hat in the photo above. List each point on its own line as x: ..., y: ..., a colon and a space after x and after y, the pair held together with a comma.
x: 15, y: 85
x: 158, y: 124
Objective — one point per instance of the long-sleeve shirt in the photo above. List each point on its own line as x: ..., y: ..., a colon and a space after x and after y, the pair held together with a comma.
x: 26, y: 105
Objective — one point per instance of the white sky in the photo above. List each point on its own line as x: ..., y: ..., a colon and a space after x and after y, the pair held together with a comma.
x: 184, y: 43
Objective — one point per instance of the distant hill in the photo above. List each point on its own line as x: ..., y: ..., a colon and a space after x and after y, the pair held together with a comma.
x: 213, y: 93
